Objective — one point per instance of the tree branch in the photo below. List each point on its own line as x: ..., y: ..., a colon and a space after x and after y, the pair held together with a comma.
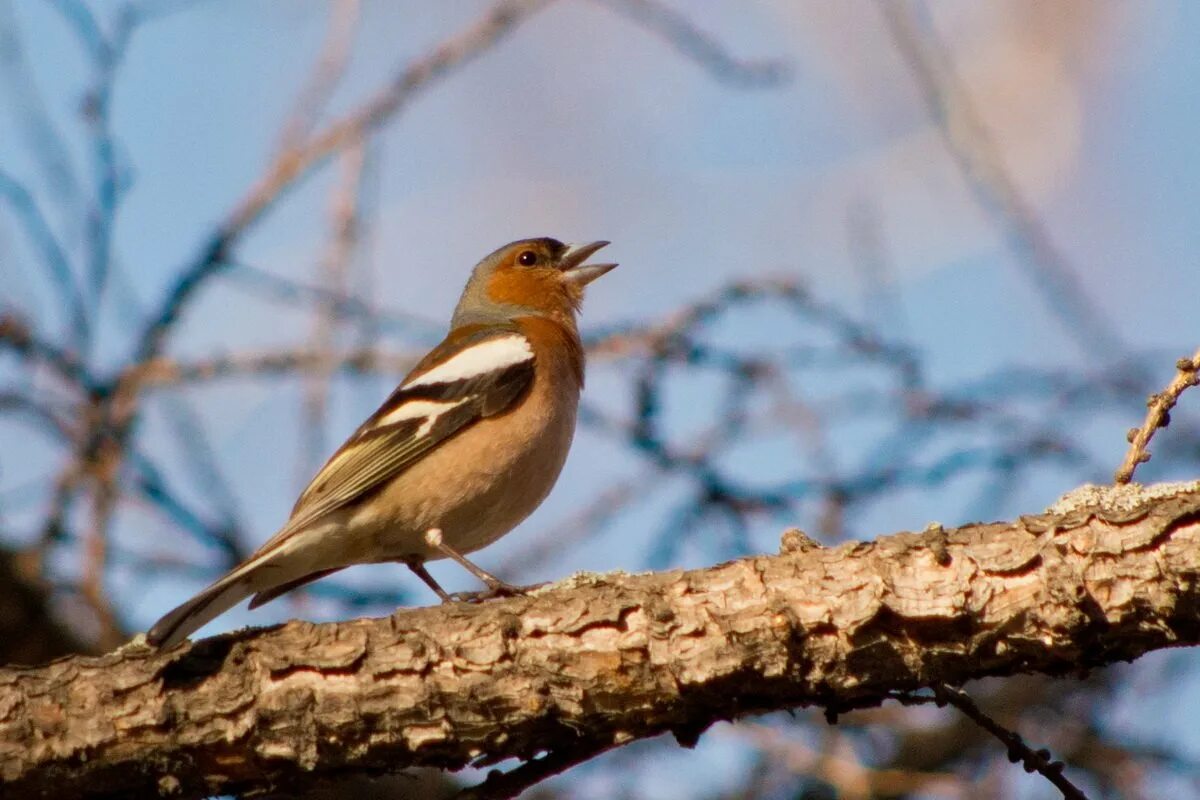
x: 1105, y: 575
x: 291, y: 165
x: 1038, y: 761
x: 1158, y: 415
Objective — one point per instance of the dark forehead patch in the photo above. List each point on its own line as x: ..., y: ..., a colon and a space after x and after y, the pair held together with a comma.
x: 553, y: 246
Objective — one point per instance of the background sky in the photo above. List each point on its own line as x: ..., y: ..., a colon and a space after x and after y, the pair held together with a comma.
x: 585, y: 124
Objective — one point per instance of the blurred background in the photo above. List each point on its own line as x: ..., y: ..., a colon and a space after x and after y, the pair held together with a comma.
x: 882, y: 263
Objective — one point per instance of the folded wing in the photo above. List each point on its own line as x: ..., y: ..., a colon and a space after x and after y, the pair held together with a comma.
x: 461, y: 381
x: 469, y: 376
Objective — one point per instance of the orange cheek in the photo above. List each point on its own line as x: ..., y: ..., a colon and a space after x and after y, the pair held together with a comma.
x: 536, y: 288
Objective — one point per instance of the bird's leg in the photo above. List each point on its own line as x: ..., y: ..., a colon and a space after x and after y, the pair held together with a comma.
x: 496, y: 587
x: 419, y: 570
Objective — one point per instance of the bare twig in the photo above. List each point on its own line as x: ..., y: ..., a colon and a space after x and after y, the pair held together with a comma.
x: 51, y: 251
x: 16, y: 335
x: 152, y: 485
x: 40, y: 410
x: 44, y: 140
x: 196, y: 450
x: 981, y: 164
x: 1038, y: 761
x: 292, y: 165
x: 150, y: 10
x: 344, y: 213
x: 870, y: 258
x: 83, y: 23
x: 683, y: 34
x: 106, y: 53
x: 344, y: 217
x: 338, y: 305
x: 1187, y: 375
x: 163, y: 372
x: 101, y: 458
x: 326, y: 73
x: 108, y: 632
x: 504, y: 785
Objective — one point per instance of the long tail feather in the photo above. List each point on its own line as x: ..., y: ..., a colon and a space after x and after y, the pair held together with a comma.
x: 210, y: 603
x: 283, y: 588
x: 283, y: 563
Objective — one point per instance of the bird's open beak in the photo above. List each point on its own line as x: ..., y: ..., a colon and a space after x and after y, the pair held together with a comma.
x: 577, y: 272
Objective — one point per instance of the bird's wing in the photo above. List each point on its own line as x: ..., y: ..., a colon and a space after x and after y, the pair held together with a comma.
x: 469, y: 376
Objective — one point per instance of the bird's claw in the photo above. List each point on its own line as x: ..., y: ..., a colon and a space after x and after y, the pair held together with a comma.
x: 493, y: 591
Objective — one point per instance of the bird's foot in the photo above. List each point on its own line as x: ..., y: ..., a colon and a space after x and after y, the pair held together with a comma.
x: 493, y: 590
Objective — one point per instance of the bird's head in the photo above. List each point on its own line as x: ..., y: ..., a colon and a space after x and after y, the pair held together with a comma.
x: 530, y: 277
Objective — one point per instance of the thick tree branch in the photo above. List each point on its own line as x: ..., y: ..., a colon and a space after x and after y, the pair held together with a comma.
x: 1106, y: 575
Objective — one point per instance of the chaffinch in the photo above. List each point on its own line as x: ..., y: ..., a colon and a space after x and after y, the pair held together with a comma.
x: 462, y: 451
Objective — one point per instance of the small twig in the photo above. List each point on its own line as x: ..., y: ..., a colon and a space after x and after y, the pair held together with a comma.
x: 53, y: 254
x: 326, y: 73
x: 334, y: 266
x: 39, y: 409
x: 683, y: 34
x: 291, y: 165
x: 143, y: 11
x: 100, y: 460
x: 17, y: 335
x: 190, y: 430
x: 346, y: 307
x: 1187, y: 375
x: 1038, y: 761
x: 107, y: 52
x: 871, y: 258
x: 980, y: 161
x: 165, y: 372
x: 152, y: 487
x: 83, y: 23
x: 62, y: 500
x: 44, y: 140
x: 504, y: 785
x: 108, y: 633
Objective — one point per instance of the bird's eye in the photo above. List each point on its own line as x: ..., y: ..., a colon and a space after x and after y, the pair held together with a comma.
x: 527, y: 258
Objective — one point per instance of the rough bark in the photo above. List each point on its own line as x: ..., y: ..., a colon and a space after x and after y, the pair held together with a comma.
x: 597, y: 661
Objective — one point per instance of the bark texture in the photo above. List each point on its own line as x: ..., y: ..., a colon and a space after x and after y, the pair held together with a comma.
x: 597, y: 661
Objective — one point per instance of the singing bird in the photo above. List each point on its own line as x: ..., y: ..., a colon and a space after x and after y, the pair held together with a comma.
x: 466, y: 447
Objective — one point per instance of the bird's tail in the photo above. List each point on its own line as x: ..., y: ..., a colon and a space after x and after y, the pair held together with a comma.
x: 209, y: 604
